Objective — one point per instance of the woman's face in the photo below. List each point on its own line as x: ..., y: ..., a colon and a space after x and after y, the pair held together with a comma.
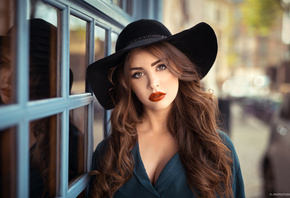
x: 152, y: 82
x: 5, y: 76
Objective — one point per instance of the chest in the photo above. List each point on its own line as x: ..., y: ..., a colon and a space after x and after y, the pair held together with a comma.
x: 171, y: 182
x: 155, y: 154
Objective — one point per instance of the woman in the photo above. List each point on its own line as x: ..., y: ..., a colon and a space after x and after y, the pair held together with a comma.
x: 164, y: 140
x: 5, y: 71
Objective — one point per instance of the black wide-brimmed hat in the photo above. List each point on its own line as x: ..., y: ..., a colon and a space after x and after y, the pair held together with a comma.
x: 198, y: 43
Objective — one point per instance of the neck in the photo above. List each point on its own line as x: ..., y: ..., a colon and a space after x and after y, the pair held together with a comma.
x: 155, y: 121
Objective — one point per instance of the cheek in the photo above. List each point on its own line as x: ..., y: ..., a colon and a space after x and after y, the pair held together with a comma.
x: 171, y: 82
x: 4, y: 73
x: 137, y: 89
x: 175, y: 86
x: 174, y: 80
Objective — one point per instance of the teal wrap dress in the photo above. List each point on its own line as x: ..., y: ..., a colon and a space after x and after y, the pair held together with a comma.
x: 171, y: 182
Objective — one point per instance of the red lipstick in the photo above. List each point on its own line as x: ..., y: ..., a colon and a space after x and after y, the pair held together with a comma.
x: 155, y: 97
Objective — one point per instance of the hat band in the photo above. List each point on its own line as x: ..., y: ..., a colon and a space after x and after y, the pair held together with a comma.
x: 145, y: 40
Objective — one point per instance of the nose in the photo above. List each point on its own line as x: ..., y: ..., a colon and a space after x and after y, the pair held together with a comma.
x: 153, y: 82
x: 6, y: 76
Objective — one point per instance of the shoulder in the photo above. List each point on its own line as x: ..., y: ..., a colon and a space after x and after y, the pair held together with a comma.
x: 229, y: 144
x: 237, y: 179
x: 99, y: 153
x: 226, y: 140
x: 102, y: 145
x: 96, y: 159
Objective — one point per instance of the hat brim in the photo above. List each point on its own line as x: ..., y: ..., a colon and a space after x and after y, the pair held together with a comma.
x: 198, y: 43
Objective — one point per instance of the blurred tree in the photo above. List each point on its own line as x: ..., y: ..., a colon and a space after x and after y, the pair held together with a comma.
x: 260, y: 15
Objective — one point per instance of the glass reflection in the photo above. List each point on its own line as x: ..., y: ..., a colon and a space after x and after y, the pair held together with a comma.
x: 43, y: 11
x: 126, y: 5
x: 43, y: 156
x: 98, y: 126
x: 43, y: 52
x: 7, y: 163
x: 77, y: 141
x: 7, y: 35
x: 100, y: 40
x: 78, y: 53
x: 42, y: 60
x: 6, y: 86
x: 118, y: 2
x: 129, y: 8
x: 114, y: 37
x: 43, y: 84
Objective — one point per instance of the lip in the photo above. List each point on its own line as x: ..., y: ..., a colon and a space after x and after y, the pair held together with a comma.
x: 155, y: 97
x: 5, y: 91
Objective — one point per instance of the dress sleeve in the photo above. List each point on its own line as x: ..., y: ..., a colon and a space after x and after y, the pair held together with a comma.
x: 98, y: 153
x: 237, y: 183
x: 97, y: 156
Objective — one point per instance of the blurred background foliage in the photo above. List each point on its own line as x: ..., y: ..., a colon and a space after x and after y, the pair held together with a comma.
x: 260, y: 15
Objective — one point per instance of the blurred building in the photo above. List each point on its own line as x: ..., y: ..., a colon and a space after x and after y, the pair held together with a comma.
x: 280, y: 73
x: 242, y: 55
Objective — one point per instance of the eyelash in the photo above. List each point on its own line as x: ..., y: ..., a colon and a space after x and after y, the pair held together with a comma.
x: 163, y: 67
x: 4, y: 64
x: 138, y: 75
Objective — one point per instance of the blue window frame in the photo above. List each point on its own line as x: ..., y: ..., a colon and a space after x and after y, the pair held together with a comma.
x: 51, y: 123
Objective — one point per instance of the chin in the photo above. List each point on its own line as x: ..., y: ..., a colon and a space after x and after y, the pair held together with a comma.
x: 160, y: 106
x: 5, y: 100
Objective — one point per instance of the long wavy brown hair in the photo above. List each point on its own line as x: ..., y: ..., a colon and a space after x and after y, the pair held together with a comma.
x: 192, y: 121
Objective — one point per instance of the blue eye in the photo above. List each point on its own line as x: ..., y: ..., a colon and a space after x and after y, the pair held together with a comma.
x: 137, y: 75
x: 161, y: 67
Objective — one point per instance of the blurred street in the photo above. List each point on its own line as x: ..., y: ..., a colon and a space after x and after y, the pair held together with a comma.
x: 250, y: 137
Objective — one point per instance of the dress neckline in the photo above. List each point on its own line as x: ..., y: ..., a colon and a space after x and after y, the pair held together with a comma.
x: 139, y: 170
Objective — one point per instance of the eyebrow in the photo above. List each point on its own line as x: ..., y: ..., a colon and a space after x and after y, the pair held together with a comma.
x: 136, y: 68
x: 140, y: 68
x: 155, y: 62
x: 5, y: 60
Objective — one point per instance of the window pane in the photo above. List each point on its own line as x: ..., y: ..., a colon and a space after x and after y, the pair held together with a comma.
x: 118, y: 2
x: 7, y: 163
x: 126, y: 5
x: 77, y: 54
x: 100, y: 41
x: 114, y: 37
x: 7, y: 68
x: 98, y: 127
x: 43, y: 66
x: 77, y: 141
x: 43, y: 156
x: 43, y: 11
x: 129, y: 8
x: 43, y: 60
